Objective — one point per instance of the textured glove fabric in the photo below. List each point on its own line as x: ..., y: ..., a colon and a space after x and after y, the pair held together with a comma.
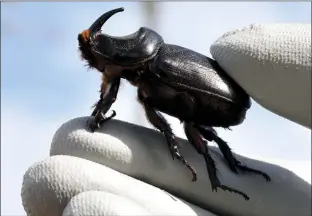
x: 263, y: 58
x: 102, y: 173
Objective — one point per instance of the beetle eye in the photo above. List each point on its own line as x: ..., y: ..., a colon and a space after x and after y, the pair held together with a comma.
x: 84, y: 49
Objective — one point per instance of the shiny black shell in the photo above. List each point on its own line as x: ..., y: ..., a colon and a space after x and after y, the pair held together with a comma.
x: 191, y: 71
x: 130, y: 50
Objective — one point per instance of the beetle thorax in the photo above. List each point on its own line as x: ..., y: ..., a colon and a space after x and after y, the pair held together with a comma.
x: 133, y: 76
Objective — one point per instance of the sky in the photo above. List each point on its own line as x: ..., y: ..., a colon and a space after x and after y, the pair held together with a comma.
x: 44, y: 83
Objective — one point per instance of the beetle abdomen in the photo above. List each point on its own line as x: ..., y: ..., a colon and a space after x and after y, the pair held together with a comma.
x: 191, y: 71
x: 198, y: 108
x: 211, y: 111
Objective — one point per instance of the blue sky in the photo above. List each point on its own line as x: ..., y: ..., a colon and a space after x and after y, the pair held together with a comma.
x: 44, y: 83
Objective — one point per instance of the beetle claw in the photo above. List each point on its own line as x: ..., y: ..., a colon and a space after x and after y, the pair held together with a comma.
x: 99, y: 119
x: 226, y: 188
x: 214, y: 180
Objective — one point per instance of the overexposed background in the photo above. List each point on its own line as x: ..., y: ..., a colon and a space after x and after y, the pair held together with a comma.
x: 44, y: 83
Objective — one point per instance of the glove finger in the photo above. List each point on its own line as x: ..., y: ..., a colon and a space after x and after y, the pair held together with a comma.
x: 55, y: 186
x: 272, y: 62
x: 144, y: 154
x: 102, y: 203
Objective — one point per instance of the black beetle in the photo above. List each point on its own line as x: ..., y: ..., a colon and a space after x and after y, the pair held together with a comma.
x: 173, y: 80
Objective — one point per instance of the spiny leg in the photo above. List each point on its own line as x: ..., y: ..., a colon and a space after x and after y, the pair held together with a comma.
x: 105, y: 102
x: 211, y: 135
x: 159, y: 121
x: 196, y: 139
x: 107, y: 98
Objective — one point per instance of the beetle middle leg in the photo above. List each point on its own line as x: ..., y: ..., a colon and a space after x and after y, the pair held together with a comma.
x: 196, y: 139
x: 211, y: 135
x: 159, y: 121
x: 157, y: 98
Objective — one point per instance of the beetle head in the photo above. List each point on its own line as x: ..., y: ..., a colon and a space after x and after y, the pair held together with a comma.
x: 97, y: 48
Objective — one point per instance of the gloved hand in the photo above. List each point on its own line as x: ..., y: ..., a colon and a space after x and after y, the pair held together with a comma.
x: 89, y: 173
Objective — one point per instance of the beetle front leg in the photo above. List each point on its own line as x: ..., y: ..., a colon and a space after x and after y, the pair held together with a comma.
x: 104, y: 104
x: 211, y: 135
x: 196, y: 139
x: 159, y: 121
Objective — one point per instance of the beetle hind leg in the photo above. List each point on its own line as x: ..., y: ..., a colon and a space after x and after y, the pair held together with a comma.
x: 211, y: 135
x: 196, y: 139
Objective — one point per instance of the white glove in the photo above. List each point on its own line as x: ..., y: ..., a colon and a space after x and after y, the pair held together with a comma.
x: 84, y: 175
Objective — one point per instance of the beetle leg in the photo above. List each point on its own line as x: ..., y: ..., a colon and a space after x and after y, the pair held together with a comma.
x: 159, y: 121
x: 197, y: 140
x: 104, y: 104
x: 211, y: 135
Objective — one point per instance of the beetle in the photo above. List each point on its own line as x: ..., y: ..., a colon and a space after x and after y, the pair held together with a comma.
x: 170, y: 79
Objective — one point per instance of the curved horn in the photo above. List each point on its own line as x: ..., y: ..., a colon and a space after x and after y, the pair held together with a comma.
x: 97, y: 25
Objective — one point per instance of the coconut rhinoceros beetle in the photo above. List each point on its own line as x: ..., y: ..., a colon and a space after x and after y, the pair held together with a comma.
x: 173, y: 80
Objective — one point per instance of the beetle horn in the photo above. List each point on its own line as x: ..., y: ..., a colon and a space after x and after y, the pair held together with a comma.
x: 97, y: 25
